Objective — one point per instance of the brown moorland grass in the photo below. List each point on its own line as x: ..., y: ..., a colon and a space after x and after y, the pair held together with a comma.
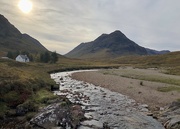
x: 169, y: 61
x: 18, y: 82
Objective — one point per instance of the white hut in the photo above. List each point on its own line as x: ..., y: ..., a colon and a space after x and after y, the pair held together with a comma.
x: 22, y: 58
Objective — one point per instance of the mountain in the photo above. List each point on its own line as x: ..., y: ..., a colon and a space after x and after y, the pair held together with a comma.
x: 107, y: 45
x: 155, y: 52
x: 11, y: 39
x: 111, y: 45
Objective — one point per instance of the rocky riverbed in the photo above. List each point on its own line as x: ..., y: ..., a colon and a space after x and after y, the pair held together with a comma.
x: 103, y: 108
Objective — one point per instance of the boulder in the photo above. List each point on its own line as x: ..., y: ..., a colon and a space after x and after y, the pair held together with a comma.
x: 173, y: 123
x: 170, y: 117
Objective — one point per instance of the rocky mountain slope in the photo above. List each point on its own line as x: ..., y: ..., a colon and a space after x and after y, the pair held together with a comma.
x: 110, y: 45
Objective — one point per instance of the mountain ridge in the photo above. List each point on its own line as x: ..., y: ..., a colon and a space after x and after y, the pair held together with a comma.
x: 11, y: 39
x: 155, y: 52
x: 110, y: 46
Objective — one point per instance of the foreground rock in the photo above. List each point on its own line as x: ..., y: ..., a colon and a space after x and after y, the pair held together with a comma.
x: 103, y: 108
x: 170, y: 117
x: 61, y: 114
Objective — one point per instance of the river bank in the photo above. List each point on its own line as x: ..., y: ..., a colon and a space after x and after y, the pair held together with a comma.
x: 141, y: 90
x: 88, y: 106
x: 145, y: 92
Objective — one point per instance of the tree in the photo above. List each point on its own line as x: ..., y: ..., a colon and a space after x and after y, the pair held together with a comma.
x: 31, y: 58
x: 42, y: 57
x: 25, y: 53
x: 45, y: 57
x: 10, y: 55
x: 54, y: 57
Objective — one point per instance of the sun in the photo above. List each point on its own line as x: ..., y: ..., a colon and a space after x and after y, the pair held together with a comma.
x: 25, y: 6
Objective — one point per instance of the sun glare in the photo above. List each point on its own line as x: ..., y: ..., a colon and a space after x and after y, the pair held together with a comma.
x: 25, y: 6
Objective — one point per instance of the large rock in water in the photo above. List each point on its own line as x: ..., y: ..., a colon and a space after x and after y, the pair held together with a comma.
x: 59, y: 114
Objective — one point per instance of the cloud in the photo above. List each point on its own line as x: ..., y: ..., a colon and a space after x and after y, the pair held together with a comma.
x: 58, y: 24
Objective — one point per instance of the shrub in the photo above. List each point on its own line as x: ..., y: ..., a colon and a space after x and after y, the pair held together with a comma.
x: 31, y: 106
x: 26, y: 107
x: 3, y: 110
x: 30, y: 115
x: 43, y: 96
x: 11, y: 98
x: 141, y: 83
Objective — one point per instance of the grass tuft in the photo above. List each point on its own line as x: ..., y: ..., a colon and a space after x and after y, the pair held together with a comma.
x: 168, y: 89
x: 43, y: 96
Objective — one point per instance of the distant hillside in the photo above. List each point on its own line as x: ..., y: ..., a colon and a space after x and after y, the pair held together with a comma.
x: 169, y: 59
x: 11, y: 39
x: 155, y: 52
x: 110, y: 45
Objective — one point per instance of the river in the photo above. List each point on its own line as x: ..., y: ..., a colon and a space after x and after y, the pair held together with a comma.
x: 103, y: 106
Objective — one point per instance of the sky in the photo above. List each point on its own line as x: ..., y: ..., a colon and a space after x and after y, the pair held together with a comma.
x: 61, y: 25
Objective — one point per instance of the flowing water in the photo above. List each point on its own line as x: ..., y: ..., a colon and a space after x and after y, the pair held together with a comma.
x: 103, y: 106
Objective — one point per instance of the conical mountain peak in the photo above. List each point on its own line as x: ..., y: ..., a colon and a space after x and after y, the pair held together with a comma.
x: 108, y: 45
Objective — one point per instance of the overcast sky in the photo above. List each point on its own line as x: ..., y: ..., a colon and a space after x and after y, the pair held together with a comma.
x: 61, y: 25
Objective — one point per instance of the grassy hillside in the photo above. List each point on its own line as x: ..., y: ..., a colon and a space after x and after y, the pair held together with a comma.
x: 20, y: 83
x: 11, y: 39
x: 20, y: 44
x: 170, y: 61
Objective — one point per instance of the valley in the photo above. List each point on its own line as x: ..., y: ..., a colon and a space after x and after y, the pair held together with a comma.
x: 128, y: 76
